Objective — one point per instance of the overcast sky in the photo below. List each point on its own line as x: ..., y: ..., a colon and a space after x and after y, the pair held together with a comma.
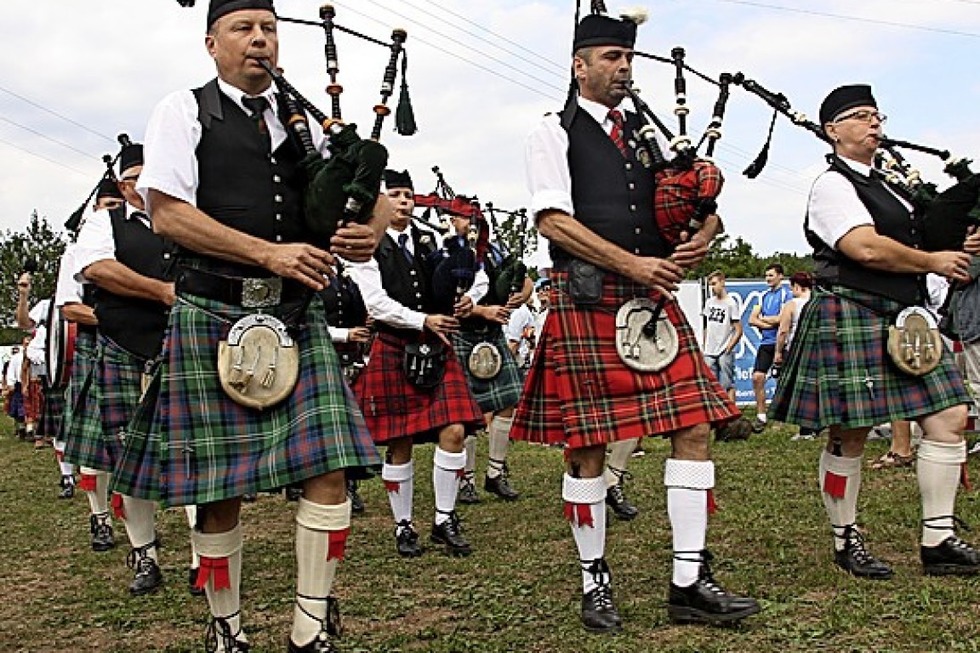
x: 482, y: 73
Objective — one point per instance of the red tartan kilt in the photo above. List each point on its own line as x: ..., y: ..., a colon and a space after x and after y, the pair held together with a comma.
x: 33, y: 401
x: 579, y: 391
x: 394, y: 408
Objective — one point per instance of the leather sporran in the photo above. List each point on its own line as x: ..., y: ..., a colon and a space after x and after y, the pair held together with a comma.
x: 485, y: 361
x: 646, y: 341
x: 258, y: 364
x: 914, y: 343
x: 424, y: 364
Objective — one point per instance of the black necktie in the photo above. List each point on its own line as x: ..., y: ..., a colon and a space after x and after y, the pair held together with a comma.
x: 258, y: 105
x: 403, y: 244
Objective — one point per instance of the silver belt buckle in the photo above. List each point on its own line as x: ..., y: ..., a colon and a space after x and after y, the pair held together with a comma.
x: 261, y: 293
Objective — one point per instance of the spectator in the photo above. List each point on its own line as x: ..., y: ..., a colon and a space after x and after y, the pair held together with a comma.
x: 765, y: 317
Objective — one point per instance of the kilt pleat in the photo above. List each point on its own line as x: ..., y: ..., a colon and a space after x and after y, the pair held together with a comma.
x: 839, y: 371
x: 580, y: 392
x: 54, y: 408
x: 394, y: 408
x: 189, y: 443
x: 500, y: 392
x: 34, y: 400
x: 82, y: 362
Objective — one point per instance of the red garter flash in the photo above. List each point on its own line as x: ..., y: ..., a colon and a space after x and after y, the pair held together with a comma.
x: 834, y: 485
x: 461, y: 473
x: 337, y: 544
x: 118, y: 508
x: 965, y: 477
x: 87, y: 483
x: 216, y: 569
x: 579, y: 514
x: 392, y: 486
x: 712, y: 504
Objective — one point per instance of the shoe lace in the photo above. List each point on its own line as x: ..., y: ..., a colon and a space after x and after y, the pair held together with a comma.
x: 330, y: 625
x: 220, y: 627
x: 602, y: 578
x: 957, y: 523
x: 453, y: 525
x: 139, y: 558
x: 404, y: 530
x: 854, y: 541
x: 705, y: 575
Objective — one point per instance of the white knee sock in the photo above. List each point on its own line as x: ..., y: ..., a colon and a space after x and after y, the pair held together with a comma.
x: 96, y: 486
x: 585, y: 509
x: 445, y: 466
x: 938, y: 472
x: 191, y: 512
x: 840, y: 483
x: 221, y: 575
x: 321, y: 535
x: 688, y: 483
x: 399, y: 480
x: 619, y: 453
x: 67, y: 469
x: 140, y: 523
x: 469, y: 447
x: 499, y: 442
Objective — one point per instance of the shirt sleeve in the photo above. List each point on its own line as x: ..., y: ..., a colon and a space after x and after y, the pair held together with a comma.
x: 172, y: 136
x: 480, y: 287
x: 548, y: 177
x: 95, y: 243
x: 380, y: 305
x: 337, y: 334
x: 835, y: 209
x: 39, y: 312
x: 67, y: 290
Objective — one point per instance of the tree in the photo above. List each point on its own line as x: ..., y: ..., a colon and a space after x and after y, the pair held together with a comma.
x: 738, y: 261
x: 39, y: 243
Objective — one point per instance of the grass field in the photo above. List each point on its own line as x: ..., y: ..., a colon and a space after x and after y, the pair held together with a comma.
x: 520, y: 589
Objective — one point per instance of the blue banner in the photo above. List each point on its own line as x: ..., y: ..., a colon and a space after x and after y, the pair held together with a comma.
x: 747, y: 295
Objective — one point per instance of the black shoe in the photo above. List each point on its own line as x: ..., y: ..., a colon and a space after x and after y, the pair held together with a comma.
x: 102, y: 538
x: 219, y: 628
x: 621, y: 506
x: 250, y: 498
x: 467, y: 490
x: 855, y: 559
x: 758, y: 426
x: 192, y: 582
x: 330, y: 629
x: 450, y: 534
x: 292, y: 492
x: 707, y: 602
x: 952, y: 557
x: 599, y: 614
x: 407, y: 540
x: 356, y: 502
x: 67, y: 487
x: 738, y: 429
x: 148, y: 578
x: 500, y: 485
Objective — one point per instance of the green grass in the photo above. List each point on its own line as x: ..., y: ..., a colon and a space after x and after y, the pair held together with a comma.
x: 520, y: 589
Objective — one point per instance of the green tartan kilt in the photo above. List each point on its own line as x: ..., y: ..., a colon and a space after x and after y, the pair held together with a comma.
x: 500, y: 392
x: 189, y: 443
x: 82, y: 362
x: 838, y: 371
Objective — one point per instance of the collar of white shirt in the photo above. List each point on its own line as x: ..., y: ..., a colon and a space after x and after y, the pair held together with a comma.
x: 856, y: 166
x: 394, y: 233
x: 236, y: 94
x: 599, y: 112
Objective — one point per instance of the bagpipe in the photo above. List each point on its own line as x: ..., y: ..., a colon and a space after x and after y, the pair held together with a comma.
x: 74, y: 222
x: 946, y: 216
x: 508, y: 274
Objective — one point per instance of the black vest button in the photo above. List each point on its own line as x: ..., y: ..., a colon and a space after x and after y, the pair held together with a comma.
x: 278, y: 199
x: 276, y: 178
x: 272, y: 160
x: 278, y: 239
x: 629, y: 166
x: 632, y: 207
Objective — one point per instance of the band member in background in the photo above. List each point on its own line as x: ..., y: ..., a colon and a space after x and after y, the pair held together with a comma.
x: 223, y: 181
x: 765, y: 318
x: 401, y: 410
x: 593, y: 200
x: 840, y: 375
x: 35, y: 321
x: 494, y: 378
x: 801, y: 285
x: 13, y: 387
x: 118, y: 253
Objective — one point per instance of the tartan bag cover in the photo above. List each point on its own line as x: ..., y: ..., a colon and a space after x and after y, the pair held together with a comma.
x: 189, y: 443
x: 839, y: 373
x: 578, y: 390
x: 500, y: 392
x: 394, y: 408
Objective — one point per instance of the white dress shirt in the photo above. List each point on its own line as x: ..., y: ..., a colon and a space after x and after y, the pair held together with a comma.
x: 174, y: 132
x: 834, y: 206
x: 14, y: 368
x: 96, y: 241
x: 67, y: 290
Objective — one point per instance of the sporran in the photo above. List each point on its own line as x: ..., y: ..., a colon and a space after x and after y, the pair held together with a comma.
x: 914, y: 343
x: 424, y: 364
x: 646, y: 341
x: 485, y: 361
x: 258, y: 364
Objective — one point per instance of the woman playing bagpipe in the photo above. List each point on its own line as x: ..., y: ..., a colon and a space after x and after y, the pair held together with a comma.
x: 490, y: 368
x: 866, y: 352
x: 413, y: 388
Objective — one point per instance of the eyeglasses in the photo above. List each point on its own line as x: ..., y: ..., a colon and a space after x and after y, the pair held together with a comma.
x: 863, y: 116
x: 131, y: 179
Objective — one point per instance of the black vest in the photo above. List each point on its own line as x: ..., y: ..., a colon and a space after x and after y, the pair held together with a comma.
x: 891, y: 219
x: 612, y: 195
x: 241, y: 185
x: 408, y: 284
x: 136, y: 325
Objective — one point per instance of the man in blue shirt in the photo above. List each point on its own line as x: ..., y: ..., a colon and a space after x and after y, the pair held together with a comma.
x: 765, y: 317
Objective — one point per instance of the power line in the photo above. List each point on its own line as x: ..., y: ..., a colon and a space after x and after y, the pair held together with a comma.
x: 858, y: 19
x: 45, y: 136
x: 41, y: 156
x: 55, y: 113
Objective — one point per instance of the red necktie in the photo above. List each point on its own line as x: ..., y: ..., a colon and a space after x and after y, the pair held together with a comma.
x: 617, y: 130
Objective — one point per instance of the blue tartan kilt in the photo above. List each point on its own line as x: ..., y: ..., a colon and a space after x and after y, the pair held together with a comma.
x: 189, y: 443
x: 839, y: 372
x: 502, y: 391
x: 15, y: 405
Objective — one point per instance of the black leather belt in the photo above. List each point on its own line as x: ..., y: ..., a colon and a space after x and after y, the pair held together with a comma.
x: 248, y: 292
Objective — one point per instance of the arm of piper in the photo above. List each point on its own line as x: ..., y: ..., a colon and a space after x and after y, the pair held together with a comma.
x: 188, y: 226
x: 79, y: 313
x: 866, y: 246
x: 694, y: 249
x: 119, y: 279
x: 22, y: 312
x: 357, y: 242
